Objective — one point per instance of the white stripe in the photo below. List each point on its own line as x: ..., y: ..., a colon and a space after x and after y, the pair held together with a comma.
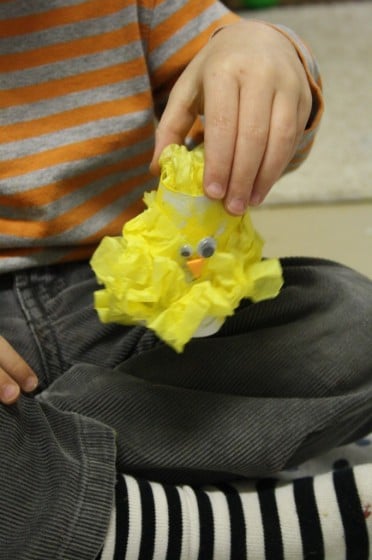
x: 161, y: 521
x: 253, y: 520
x: 330, y: 518
x: 109, y: 546
x: 289, y: 523
x: 190, y: 523
x: 135, y: 519
x: 222, y: 529
x: 193, y: 514
x: 185, y: 526
x: 363, y: 480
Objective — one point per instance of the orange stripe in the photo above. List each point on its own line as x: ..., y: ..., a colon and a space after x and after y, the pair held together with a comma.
x: 76, y: 216
x: 73, y: 152
x: 72, y: 49
x: 80, y: 253
x: 72, y: 84
x: 60, y: 17
x: 21, y: 252
x: 74, y: 117
x: 53, y: 191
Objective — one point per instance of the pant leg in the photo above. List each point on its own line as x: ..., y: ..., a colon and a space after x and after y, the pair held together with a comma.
x: 57, y: 477
x: 249, y: 399
x: 282, y: 381
x: 57, y: 469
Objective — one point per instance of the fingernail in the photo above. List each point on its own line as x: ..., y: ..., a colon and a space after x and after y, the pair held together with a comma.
x: 236, y: 206
x: 30, y: 384
x: 9, y: 392
x: 255, y: 199
x: 215, y: 190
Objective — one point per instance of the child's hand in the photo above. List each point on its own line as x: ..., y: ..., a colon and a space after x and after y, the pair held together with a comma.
x: 251, y: 86
x: 15, y: 374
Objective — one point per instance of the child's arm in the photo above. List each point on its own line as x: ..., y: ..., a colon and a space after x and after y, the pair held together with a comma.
x: 15, y: 374
x: 257, y: 98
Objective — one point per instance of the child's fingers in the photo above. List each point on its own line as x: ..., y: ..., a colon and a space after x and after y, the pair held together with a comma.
x: 9, y: 390
x: 221, y: 112
x: 252, y: 136
x: 15, y: 374
x: 281, y: 143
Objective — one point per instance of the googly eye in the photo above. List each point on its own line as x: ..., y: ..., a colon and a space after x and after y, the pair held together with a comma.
x: 207, y: 247
x: 186, y: 251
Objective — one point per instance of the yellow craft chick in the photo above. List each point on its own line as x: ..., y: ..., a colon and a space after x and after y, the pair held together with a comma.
x: 184, y: 264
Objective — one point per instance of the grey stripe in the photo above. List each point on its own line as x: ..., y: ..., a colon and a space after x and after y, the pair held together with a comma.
x: 145, y: 15
x: 65, y: 33
x: 45, y: 108
x: 89, y: 227
x: 67, y: 136
x: 167, y: 9
x: 74, y: 66
x: 183, y: 36
x: 22, y: 8
x: 58, y: 207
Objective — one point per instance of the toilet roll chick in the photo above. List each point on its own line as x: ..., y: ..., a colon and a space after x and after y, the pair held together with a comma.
x: 183, y: 265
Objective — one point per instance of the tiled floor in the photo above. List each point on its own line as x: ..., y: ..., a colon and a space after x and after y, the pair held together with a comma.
x: 341, y: 232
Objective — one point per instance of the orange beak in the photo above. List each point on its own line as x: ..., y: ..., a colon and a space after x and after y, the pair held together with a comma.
x: 195, y: 266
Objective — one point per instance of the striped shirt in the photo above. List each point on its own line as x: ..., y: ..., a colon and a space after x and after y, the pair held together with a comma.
x: 82, y: 82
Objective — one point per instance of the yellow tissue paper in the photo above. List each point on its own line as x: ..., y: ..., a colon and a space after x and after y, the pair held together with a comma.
x: 183, y: 265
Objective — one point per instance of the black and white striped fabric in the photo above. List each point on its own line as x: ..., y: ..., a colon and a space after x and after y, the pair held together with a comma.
x: 327, y: 516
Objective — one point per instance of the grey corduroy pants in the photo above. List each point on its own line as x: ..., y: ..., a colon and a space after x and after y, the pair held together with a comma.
x: 283, y: 380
